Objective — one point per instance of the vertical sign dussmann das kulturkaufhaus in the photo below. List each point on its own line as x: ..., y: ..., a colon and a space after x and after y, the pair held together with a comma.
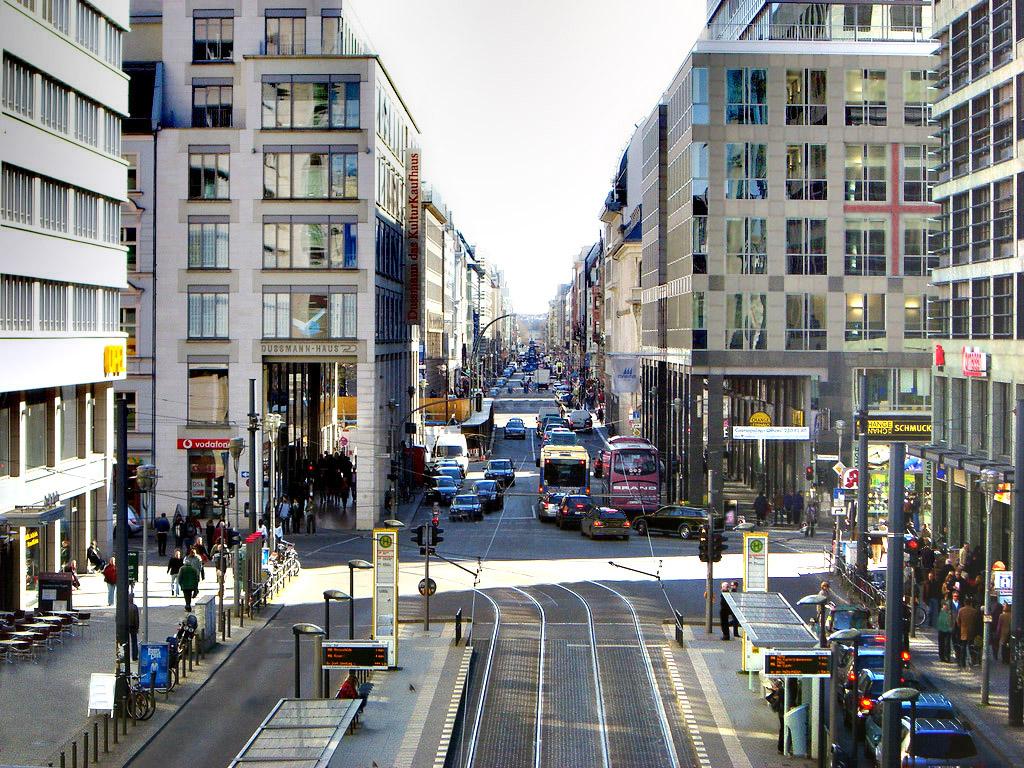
x: 413, y: 239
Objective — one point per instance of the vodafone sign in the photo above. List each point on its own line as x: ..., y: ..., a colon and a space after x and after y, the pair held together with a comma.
x: 204, y: 443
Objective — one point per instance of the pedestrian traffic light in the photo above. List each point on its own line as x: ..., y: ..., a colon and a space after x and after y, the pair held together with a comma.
x: 809, y: 472
x: 231, y: 490
x: 702, y: 550
x: 435, y: 535
x: 417, y: 534
x: 717, y: 545
x: 912, y: 547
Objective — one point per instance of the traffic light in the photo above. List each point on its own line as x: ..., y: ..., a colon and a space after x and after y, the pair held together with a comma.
x: 809, y: 473
x: 912, y: 547
x: 717, y: 545
x: 417, y: 534
x: 231, y: 490
x: 702, y: 550
x: 232, y: 539
x: 218, y: 488
x: 435, y: 535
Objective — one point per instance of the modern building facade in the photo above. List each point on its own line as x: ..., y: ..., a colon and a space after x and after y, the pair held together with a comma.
x: 62, y: 267
x: 289, y: 246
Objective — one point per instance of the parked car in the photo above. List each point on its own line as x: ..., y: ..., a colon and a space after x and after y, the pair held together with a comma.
x: 490, y: 494
x: 862, y: 700
x: 580, y: 421
x: 440, y: 488
x: 930, y: 706
x: 134, y: 521
x: 515, y: 429
x: 466, y: 506
x: 449, y: 463
x: 676, y: 518
x: 937, y: 742
x: 605, y: 523
x: 453, y: 472
x: 572, y: 509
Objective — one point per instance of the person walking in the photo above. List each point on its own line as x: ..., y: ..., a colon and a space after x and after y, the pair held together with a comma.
x: 944, y: 625
x: 725, y: 614
x: 110, y: 579
x: 311, y: 520
x: 284, y: 511
x: 761, y: 508
x: 1002, y: 634
x: 966, y: 629
x: 798, y: 509
x: 787, y: 508
x: 72, y: 568
x: 174, y: 564
x: 343, y: 489
x: 188, y: 580
x: 162, y: 526
x: 133, y: 627
x: 930, y: 593
x: 178, y: 529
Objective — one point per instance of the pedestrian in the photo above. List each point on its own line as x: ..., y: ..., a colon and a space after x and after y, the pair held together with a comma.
x: 133, y: 627
x: 343, y: 490
x: 930, y: 594
x: 1003, y: 634
x: 210, y: 527
x: 761, y: 508
x: 810, y: 519
x: 778, y: 508
x: 162, y: 526
x: 776, y: 700
x: 178, y: 529
x: 188, y: 580
x: 944, y: 625
x: 883, y: 527
x: 72, y: 568
x: 966, y: 629
x: 798, y: 508
x: 110, y: 579
x: 876, y: 539
x: 193, y: 559
x: 350, y: 689
x: 311, y: 520
x: 96, y: 561
x: 284, y: 511
x: 725, y: 614
x: 174, y: 563
x: 735, y: 587
x: 787, y: 508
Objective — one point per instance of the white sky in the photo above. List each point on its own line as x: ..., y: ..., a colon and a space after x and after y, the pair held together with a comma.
x: 525, y: 107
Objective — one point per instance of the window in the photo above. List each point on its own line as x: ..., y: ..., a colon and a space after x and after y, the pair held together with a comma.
x: 68, y: 423
x: 314, y: 173
x: 1002, y: 219
x: 5, y: 436
x: 213, y: 39
x: 343, y: 314
x: 746, y: 99
x: 699, y: 238
x: 746, y: 251
x: 211, y: 106
x: 1002, y: 123
x: 700, y: 114
x: 979, y: 414
x: 130, y: 326
x: 918, y: 256
x: 130, y: 240
x: 207, y: 394
x: 960, y: 61
x: 1002, y: 307
x: 19, y: 92
x: 111, y: 308
x: 917, y: 180
x: 746, y: 171
x: 85, y: 308
x: 915, y: 318
x: 959, y: 233
x: 15, y: 303
x: 87, y: 27
x: 866, y: 172
x: 53, y: 306
x: 979, y: 40
x: 286, y: 36
x: 305, y: 312
x: 16, y: 205
x: 960, y: 142
x: 389, y: 249
x: 111, y: 221
x: 112, y: 40
x: 905, y: 18
x: 865, y: 316
x: 960, y: 310
x: 53, y: 205
x: 207, y: 315
x: 338, y: 38
x: 865, y: 247
x: 296, y: 243
x: 745, y: 321
x: 981, y: 156
x: 857, y: 18
x: 981, y: 308
x: 36, y: 430
x: 1002, y: 32
x: 87, y: 119
x: 865, y: 97
x: 133, y: 172
x: 132, y: 408
x: 56, y: 13
x: 111, y: 133
x: 208, y: 176
x: 699, y: 177
x: 207, y: 245
x: 53, y: 105
x: 981, y: 224
x: 958, y: 412
x: 310, y: 101
x: 918, y: 95
x: 805, y: 321
x: 806, y: 91
x: 86, y: 206
x: 806, y: 172
x: 805, y: 247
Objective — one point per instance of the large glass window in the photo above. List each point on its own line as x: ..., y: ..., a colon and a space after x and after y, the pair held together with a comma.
x: 130, y: 240
x: 310, y: 313
x: 865, y: 247
x: 68, y: 423
x: 207, y: 315
x: 746, y: 99
x: 805, y: 247
x: 915, y: 316
x: 208, y: 245
x: 1002, y: 307
x: 5, y: 435
x: 208, y: 176
x: 300, y: 244
x: 866, y: 172
x: 746, y: 171
x: 917, y: 177
x: 699, y: 177
x: 865, y: 97
x: 746, y: 250
x: 918, y: 258
x: 981, y: 308
x: 918, y: 95
x: 746, y: 321
x: 207, y: 394
x: 805, y: 321
x: 699, y: 84
x: 960, y: 310
x: 286, y: 35
x: 319, y: 173
x: 865, y: 316
x: 338, y: 38
x: 310, y: 101
x: 36, y: 431
x: 806, y: 172
x: 806, y: 92
x: 213, y: 39
x: 211, y: 106
x: 130, y: 326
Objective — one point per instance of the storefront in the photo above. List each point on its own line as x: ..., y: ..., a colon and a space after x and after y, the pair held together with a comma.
x: 30, y: 544
x: 207, y: 460
x: 884, y: 429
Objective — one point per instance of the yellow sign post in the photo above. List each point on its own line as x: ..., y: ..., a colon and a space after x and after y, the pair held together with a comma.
x: 385, y: 590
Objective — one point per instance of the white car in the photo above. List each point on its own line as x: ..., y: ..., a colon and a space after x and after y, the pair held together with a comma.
x: 580, y: 421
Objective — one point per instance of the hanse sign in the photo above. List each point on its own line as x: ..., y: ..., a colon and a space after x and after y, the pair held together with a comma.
x: 204, y: 443
x: 796, y: 663
x: 901, y: 428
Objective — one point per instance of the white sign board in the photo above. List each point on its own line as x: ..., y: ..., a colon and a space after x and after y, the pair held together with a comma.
x: 101, y: 692
x: 839, y: 468
x: 755, y: 562
x: 1003, y: 583
x: 838, y: 511
x: 827, y: 457
x: 385, y: 590
x: 771, y: 433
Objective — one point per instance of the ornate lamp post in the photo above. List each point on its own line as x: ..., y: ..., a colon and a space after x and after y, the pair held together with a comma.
x: 989, y: 483
x: 146, y: 477
x: 353, y: 566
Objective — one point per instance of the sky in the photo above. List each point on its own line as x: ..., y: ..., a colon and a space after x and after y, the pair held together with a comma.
x: 525, y: 107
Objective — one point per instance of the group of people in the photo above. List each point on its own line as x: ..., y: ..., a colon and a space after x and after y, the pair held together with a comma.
x: 726, y: 618
x: 786, y: 509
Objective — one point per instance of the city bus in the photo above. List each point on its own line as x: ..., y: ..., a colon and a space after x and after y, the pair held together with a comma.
x: 563, y: 469
x: 632, y: 470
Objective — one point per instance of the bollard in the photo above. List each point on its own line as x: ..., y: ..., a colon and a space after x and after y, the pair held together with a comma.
x: 679, y: 629
x: 229, y: 623
x: 458, y: 626
x: 116, y: 725
x: 95, y: 741
x: 74, y: 754
x: 63, y: 764
x: 189, y: 652
x: 85, y: 749
x: 152, y: 689
x: 106, y: 734
x: 124, y: 723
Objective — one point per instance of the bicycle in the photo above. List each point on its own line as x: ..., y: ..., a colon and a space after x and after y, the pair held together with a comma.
x: 138, y: 703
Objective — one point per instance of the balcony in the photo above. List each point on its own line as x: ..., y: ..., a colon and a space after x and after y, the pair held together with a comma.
x: 828, y: 31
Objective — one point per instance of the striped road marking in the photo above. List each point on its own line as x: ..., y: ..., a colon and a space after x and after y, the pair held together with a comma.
x: 453, y: 708
x: 696, y: 740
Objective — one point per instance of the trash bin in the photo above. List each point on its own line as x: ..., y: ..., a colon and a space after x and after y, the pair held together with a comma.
x: 796, y: 731
x: 55, y: 591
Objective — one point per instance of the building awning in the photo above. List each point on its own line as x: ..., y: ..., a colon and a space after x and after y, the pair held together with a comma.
x: 769, y: 620
x: 32, y: 517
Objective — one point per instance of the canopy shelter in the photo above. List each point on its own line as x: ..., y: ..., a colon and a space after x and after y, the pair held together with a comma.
x: 769, y: 620
x: 300, y: 733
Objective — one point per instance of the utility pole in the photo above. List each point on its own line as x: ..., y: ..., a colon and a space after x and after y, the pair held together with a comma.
x: 892, y: 714
x: 709, y: 586
x: 254, y: 421
x: 121, y: 547
x: 1015, y: 708
x: 426, y: 583
x: 861, y: 427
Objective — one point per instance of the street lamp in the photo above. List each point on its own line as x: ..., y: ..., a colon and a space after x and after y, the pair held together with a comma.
x: 673, y: 428
x: 989, y: 483
x: 235, y: 447
x: 353, y: 566
x: 842, y: 637
x: 146, y: 477
x: 840, y: 426
x: 330, y: 594
x: 298, y: 630
x: 819, y: 599
x: 901, y: 695
x: 272, y: 425
x: 394, y: 524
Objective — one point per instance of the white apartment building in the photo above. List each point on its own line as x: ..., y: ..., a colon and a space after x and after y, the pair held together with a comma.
x: 62, y: 265
x: 288, y: 169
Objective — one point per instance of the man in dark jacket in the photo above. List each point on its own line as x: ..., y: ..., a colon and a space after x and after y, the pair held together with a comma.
x: 133, y: 627
x: 725, y: 614
x: 163, y: 527
x: 761, y: 508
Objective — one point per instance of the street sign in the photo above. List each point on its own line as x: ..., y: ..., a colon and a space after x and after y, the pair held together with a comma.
x: 850, y: 478
x: 354, y: 654
x: 636, y: 431
x: 385, y: 590
x: 771, y: 433
x: 155, y: 661
x: 839, y: 468
x: 755, y: 562
x: 839, y: 511
x: 427, y: 586
x: 838, y: 495
x: 797, y: 663
x: 101, y: 692
x: 827, y: 457
x: 133, y: 565
x: 1003, y: 583
x: 244, y: 474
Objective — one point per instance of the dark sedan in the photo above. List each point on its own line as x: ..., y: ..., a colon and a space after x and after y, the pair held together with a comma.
x: 490, y: 494
x: 573, y: 509
x: 676, y: 519
x: 466, y: 507
x: 455, y: 473
x: 502, y: 471
x: 515, y: 429
x: 605, y: 523
x: 442, y: 489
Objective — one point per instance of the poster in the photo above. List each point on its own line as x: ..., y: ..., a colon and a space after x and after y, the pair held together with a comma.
x: 385, y: 590
x: 154, y: 659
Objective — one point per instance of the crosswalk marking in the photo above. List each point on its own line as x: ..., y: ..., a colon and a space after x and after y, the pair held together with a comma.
x: 683, y: 700
x: 453, y: 709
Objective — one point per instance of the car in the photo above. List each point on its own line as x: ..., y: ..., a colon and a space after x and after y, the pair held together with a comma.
x: 466, y: 506
x: 599, y: 462
x: 871, y: 656
x: 440, y: 488
x: 515, y: 429
x: 492, y: 392
x: 676, y: 518
x: 449, y: 464
x: 930, y: 706
x: 502, y: 471
x: 490, y: 494
x: 572, y: 509
x: 544, y: 412
x: 134, y: 521
x: 547, y: 506
x: 550, y: 421
x: 560, y: 437
x: 455, y: 473
x: 937, y: 742
x: 580, y: 421
x: 870, y: 685
x: 605, y: 523
x: 846, y: 616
